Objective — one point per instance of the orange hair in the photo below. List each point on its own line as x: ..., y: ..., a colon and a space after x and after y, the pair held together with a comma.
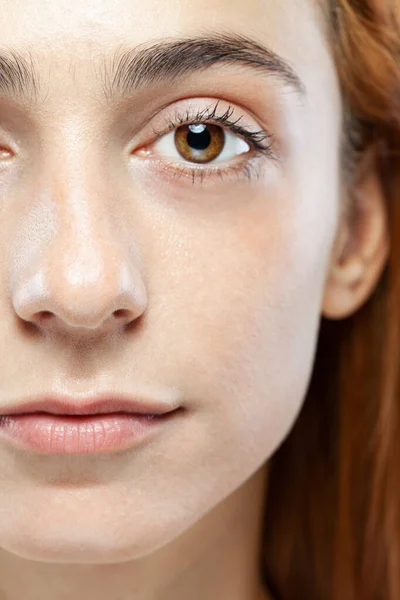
x: 332, y: 515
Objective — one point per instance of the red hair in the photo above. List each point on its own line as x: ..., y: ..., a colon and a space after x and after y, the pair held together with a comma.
x: 332, y: 515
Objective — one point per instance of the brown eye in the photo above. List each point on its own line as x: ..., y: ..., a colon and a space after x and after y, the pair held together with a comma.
x: 199, y: 142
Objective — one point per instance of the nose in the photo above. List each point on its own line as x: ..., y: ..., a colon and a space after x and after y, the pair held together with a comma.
x: 83, y: 279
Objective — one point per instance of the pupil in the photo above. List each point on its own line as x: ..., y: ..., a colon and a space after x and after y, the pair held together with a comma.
x: 198, y: 137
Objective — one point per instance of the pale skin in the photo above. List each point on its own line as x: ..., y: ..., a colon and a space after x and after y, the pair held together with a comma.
x: 224, y: 285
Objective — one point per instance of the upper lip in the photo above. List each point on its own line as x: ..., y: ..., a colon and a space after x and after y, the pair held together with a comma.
x: 93, y: 405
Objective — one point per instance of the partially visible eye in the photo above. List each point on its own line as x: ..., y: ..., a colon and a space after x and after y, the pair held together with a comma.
x: 201, y: 143
x: 5, y: 154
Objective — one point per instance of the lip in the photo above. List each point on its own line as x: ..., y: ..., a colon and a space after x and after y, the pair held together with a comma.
x: 103, y: 403
x: 60, y: 434
x: 96, y: 424
x: 71, y: 424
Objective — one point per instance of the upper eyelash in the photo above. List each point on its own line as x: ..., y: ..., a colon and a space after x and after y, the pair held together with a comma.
x: 255, y: 138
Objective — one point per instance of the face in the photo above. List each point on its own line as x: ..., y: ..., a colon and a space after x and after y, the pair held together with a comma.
x: 142, y: 256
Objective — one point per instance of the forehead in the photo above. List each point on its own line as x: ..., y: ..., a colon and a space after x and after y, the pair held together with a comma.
x: 75, y: 35
x: 142, y: 20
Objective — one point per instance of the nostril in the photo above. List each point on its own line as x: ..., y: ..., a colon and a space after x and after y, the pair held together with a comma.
x: 121, y: 312
x: 44, y: 315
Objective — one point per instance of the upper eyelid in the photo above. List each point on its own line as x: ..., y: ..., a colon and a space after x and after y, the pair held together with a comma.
x: 206, y: 114
x: 170, y: 118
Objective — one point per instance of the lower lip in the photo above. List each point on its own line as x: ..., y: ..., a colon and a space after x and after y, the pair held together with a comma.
x: 61, y: 434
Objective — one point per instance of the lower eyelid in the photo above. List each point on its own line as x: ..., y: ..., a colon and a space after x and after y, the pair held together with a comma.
x: 179, y: 171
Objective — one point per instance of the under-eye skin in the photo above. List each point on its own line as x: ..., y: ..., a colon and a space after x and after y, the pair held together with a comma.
x: 201, y: 142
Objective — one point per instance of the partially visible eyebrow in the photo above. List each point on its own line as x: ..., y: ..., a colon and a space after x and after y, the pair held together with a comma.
x: 167, y: 61
x: 18, y: 76
x: 130, y: 69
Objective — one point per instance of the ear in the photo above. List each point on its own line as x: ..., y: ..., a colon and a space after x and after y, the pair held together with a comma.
x: 361, y: 248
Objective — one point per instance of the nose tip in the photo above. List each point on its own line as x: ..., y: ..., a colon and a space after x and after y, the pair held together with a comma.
x: 54, y: 303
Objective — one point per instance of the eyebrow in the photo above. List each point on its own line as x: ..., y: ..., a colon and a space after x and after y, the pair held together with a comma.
x: 168, y: 61
x: 165, y: 61
x: 18, y: 76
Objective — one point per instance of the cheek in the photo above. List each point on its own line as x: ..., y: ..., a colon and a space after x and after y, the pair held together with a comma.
x: 248, y: 327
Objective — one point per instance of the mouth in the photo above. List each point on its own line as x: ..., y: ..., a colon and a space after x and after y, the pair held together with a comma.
x: 105, y: 423
x: 81, y: 434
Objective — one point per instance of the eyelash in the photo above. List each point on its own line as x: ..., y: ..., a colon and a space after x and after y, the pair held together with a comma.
x: 256, y: 140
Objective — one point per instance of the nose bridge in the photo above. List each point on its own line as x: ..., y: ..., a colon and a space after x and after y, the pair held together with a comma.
x: 84, y: 271
x: 84, y: 249
x: 84, y: 252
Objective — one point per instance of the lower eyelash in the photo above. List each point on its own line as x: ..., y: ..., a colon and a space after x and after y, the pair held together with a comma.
x: 248, y: 170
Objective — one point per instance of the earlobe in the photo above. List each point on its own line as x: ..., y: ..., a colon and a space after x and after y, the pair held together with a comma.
x: 362, y: 246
